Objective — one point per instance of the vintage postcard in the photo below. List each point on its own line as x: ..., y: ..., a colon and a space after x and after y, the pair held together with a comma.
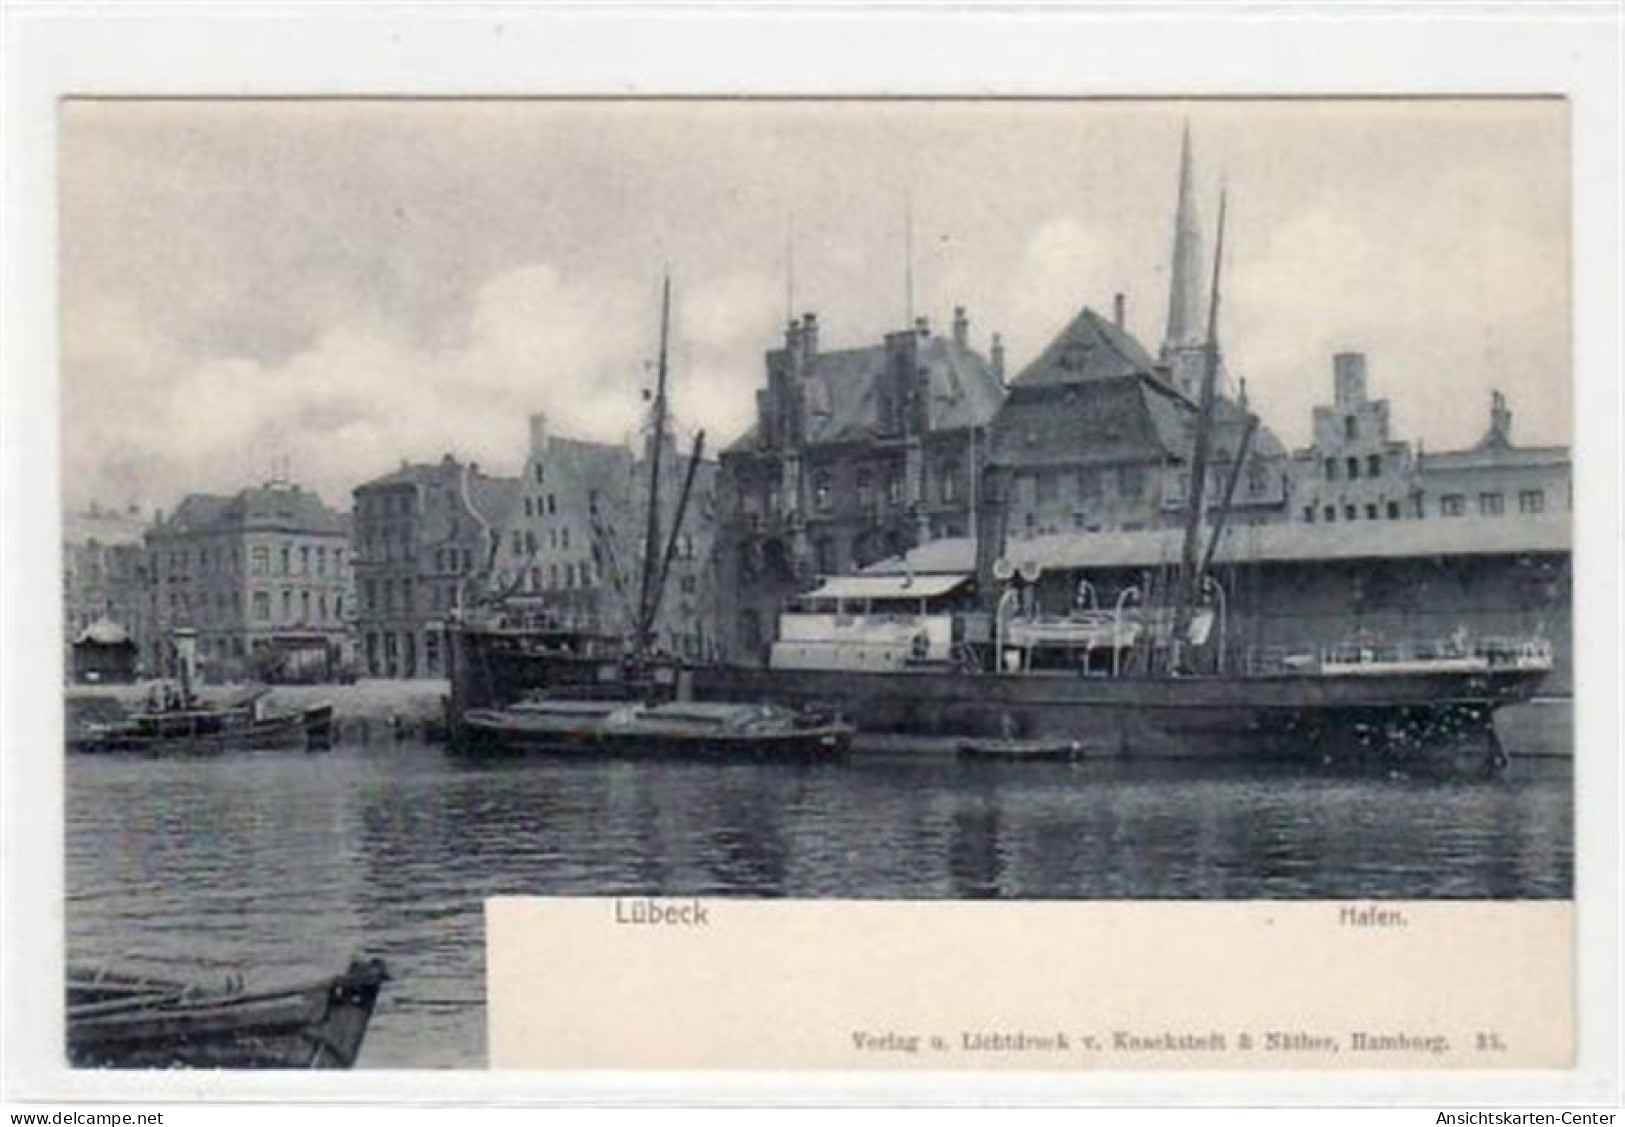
x: 987, y: 584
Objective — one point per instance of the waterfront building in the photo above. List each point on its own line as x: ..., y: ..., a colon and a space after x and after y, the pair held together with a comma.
x: 1355, y: 470
x: 856, y: 454
x: 1496, y: 478
x: 560, y: 549
x: 572, y: 548
x: 104, y: 580
x: 262, y: 577
x: 1097, y: 437
x: 425, y: 549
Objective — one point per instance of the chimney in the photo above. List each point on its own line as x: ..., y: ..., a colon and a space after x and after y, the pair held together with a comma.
x: 538, y: 435
x: 809, y: 335
x: 922, y: 326
x: 1348, y: 369
x: 1500, y: 419
x: 961, y: 327
x: 997, y: 352
x: 1119, y: 309
x: 792, y: 339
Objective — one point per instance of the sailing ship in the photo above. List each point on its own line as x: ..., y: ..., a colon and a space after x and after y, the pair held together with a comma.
x: 599, y: 693
x: 945, y: 658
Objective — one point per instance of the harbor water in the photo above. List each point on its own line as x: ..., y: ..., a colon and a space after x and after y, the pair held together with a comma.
x: 281, y: 866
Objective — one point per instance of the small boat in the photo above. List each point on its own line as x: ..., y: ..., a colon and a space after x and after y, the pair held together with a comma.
x: 1026, y: 750
x: 128, y: 1021
x: 187, y: 725
x: 677, y: 730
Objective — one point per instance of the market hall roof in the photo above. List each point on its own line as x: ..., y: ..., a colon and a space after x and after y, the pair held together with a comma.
x: 1286, y: 542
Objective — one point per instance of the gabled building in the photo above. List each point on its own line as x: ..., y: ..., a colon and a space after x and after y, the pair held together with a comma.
x: 856, y: 454
x: 425, y: 550
x: 558, y: 552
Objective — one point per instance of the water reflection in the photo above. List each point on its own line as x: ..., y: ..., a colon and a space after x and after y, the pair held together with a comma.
x: 285, y: 865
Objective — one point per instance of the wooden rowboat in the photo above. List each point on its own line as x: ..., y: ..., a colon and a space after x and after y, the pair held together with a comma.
x: 125, y: 1021
x: 1021, y: 749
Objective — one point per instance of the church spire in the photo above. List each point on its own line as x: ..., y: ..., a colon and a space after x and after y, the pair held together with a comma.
x: 1185, y: 285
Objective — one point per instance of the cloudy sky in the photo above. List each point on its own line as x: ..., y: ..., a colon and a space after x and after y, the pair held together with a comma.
x: 341, y: 285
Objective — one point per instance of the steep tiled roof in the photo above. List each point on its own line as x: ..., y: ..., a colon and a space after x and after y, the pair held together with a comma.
x: 843, y: 405
x: 1096, y: 397
x: 267, y: 506
x: 1102, y: 421
x: 1089, y: 348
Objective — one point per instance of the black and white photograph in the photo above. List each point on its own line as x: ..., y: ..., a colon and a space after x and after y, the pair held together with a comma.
x: 1063, y: 499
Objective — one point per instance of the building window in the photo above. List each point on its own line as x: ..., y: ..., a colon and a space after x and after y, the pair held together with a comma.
x: 407, y: 605
x: 1393, y: 510
x: 1309, y: 514
x: 1532, y: 501
x: 262, y: 560
x: 1452, y: 505
x: 1089, y: 484
x: 287, y: 561
x: 304, y: 560
x: 824, y: 555
x: 1131, y: 482
x: 530, y: 542
x: 1354, y: 468
x: 552, y: 504
x: 1373, y: 465
x: 949, y: 488
x: 321, y: 607
x: 321, y: 561
x: 304, y: 606
x: 564, y: 539
x: 1047, y: 487
x: 1257, y: 479
x: 1331, y: 469
x: 1330, y: 513
x: 866, y: 489
x: 894, y: 487
x: 1370, y: 512
x: 529, y: 511
x: 369, y: 596
x: 538, y: 473
x: 287, y: 604
x: 1350, y: 512
x: 1490, y: 504
x: 1351, y: 427
x: 821, y: 490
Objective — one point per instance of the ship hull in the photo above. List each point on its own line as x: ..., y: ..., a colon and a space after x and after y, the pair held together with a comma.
x: 1382, y: 717
x: 1289, y: 717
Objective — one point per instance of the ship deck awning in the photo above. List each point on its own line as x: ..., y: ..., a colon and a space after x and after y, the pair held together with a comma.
x: 847, y: 587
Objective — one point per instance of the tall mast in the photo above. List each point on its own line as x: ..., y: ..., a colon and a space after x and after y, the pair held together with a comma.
x: 1189, y: 580
x: 908, y: 260
x: 651, y: 540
